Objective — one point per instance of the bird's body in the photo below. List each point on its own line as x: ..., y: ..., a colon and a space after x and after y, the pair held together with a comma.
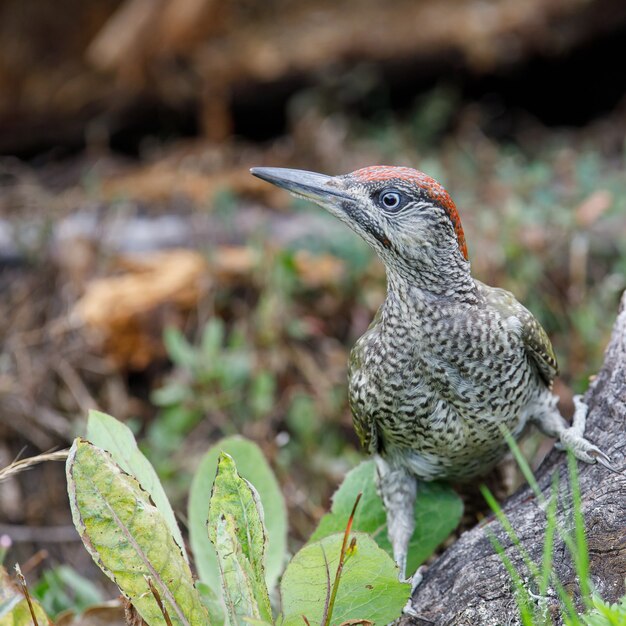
x: 433, y: 380
x: 449, y: 364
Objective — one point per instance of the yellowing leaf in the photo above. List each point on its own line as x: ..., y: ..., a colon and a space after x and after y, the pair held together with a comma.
x: 128, y: 537
x: 117, y: 439
x: 14, y: 609
x: 252, y: 466
x: 236, y: 529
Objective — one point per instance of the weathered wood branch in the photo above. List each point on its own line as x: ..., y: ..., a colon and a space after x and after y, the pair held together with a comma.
x: 468, y: 584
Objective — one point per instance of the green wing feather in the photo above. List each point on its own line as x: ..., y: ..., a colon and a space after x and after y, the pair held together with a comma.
x: 539, y: 347
x: 365, y: 429
x: 533, y: 335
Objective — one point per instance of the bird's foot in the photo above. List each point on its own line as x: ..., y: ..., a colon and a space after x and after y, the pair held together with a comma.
x: 415, y: 581
x: 417, y: 578
x: 409, y: 610
x: 573, y: 439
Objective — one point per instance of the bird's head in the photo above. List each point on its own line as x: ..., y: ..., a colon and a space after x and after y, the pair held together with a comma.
x: 405, y: 215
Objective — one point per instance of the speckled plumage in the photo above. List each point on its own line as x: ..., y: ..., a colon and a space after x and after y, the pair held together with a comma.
x: 431, y: 381
x: 447, y: 360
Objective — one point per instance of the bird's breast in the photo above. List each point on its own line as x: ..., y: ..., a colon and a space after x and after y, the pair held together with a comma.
x: 440, y: 394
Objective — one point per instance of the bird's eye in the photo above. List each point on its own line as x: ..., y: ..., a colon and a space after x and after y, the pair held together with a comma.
x: 390, y: 200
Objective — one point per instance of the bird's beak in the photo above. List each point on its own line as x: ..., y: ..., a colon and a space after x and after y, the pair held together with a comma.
x: 322, y: 189
x: 331, y: 193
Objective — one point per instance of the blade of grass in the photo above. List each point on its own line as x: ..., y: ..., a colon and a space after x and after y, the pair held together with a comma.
x: 523, y: 464
x: 566, y: 600
x: 548, y: 544
x: 506, y: 524
x: 534, y: 485
x: 24, y: 464
x: 522, y: 597
x: 547, y: 570
x: 581, y: 549
x: 577, y: 546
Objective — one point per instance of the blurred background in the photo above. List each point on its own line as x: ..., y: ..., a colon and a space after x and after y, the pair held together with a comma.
x: 144, y: 272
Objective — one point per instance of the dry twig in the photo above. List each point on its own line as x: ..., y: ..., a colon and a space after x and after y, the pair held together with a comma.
x: 23, y: 464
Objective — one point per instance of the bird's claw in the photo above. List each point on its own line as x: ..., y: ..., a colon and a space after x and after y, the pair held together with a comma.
x: 574, y: 439
x: 605, y: 461
x: 599, y: 456
x: 583, y: 450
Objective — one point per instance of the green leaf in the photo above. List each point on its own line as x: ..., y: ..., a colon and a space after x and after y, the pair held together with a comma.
x: 14, y: 609
x: 63, y: 588
x: 17, y: 613
x: 236, y: 530
x: 116, y: 438
x: 128, y: 537
x: 171, y: 394
x: 212, y: 337
x: 252, y: 466
x: 212, y: 602
x: 369, y: 587
x: 438, y: 510
x: 262, y: 393
x: 178, y: 348
x: 604, y: 614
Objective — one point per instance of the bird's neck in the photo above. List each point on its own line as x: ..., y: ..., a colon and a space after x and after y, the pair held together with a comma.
x: 450, y: 282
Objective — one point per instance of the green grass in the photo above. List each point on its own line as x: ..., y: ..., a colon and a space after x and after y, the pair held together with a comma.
x: 534, y: 585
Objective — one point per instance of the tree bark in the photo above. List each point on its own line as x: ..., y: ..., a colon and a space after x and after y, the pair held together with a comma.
x: 468, y: 584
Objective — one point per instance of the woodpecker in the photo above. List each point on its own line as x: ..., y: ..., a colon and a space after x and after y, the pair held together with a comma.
x: 447, y: 361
